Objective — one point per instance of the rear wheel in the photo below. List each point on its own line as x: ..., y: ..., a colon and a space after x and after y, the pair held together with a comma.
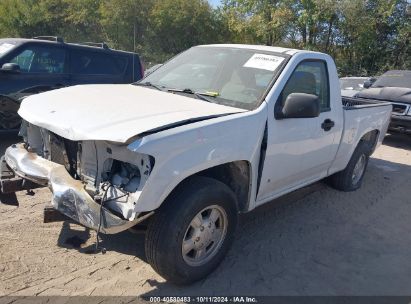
x: 350, y: 179
x: 191, y: 233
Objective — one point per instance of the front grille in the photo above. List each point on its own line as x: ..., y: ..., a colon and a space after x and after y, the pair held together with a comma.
x: 64, y: 152
x: 57, y: 150
x: 72, y: 148
x: 53, y: 147
x: 399, y: 108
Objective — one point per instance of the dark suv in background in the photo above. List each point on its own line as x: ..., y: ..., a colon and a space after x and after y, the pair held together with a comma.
x: 393, y: 86
x: 30, y: 66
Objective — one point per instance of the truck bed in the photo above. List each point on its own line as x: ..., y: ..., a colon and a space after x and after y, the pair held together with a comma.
x: 369, y: 115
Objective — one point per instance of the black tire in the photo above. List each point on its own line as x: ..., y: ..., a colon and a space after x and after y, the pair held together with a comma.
x: 344, y: 180
x: 168, y: 228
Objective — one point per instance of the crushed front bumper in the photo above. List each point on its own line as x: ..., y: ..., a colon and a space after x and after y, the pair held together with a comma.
x: 10, y: 183
x: 69, y: 195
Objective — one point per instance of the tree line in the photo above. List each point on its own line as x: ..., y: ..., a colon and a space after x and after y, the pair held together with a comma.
x: 365, y: 37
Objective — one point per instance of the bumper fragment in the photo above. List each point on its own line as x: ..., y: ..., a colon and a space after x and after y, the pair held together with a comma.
x: 69, y: 195
x: 10, y: 183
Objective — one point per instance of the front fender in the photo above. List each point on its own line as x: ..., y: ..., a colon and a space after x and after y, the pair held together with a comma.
x: 184, y: 151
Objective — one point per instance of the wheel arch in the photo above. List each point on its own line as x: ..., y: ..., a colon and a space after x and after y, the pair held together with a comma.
x: 236, y: 175
x: 370, y: 138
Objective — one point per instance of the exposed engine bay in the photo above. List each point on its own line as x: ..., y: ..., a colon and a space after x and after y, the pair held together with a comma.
x: 111, y: 174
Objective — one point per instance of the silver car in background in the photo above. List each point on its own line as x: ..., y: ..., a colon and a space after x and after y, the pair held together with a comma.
x: 350, y: 86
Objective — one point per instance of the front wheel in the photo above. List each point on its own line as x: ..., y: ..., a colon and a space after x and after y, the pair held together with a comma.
x: 191, y: 233
x: 350, y: 179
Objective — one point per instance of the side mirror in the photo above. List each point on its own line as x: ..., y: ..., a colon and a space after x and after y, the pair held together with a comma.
x: 11, y: 67
x: 301, y: 105
x: 367, y: 84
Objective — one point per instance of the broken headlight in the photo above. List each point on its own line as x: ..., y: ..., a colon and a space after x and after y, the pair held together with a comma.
x: 127, y: 176
x: 122, y: 183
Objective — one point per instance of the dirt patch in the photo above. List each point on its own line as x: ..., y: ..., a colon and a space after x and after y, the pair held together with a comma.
x: 316, y: 241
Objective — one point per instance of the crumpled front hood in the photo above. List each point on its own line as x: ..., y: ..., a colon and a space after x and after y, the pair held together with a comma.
x: 113, y: 112
x: 388, y: 94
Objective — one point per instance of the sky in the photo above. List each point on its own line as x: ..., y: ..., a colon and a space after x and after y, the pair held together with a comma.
x: 214, y: 3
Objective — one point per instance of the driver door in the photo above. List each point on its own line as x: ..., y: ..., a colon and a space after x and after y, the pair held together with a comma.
x: 299, y: 150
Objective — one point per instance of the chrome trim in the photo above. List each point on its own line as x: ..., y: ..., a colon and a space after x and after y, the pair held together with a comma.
x: 407, y: 108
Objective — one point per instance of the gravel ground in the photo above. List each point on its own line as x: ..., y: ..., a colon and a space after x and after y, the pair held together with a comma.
x: 316, y: 241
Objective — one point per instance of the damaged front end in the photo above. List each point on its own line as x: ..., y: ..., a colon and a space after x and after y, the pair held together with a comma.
x: 95, y: 183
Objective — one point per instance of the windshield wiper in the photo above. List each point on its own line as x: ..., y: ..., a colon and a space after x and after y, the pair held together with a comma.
x: 148, y: 84
x: 199, y: 95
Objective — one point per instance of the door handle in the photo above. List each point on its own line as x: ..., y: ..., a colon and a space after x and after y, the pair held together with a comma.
x: 327, y: 125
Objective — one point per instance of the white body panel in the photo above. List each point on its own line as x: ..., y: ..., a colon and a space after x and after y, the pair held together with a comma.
x: 186, y: 150
x: 356, y: 124
x: 112, y: 112
x: 298, y: 152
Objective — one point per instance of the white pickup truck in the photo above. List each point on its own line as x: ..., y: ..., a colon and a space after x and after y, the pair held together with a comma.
x: 216, y: 131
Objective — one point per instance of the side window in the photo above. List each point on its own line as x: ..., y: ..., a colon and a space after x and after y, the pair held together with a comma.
x: 310, y: 77
x: 97, y: 63
x: 39, y: 59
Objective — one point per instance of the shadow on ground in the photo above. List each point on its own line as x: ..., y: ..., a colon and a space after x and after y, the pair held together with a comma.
x: 125, y: 242
x: 398, y: 140
x: 315, y: 241
x: 324, y: 243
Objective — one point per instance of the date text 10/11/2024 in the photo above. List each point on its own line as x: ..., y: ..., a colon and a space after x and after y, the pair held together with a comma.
x: 205, y: 299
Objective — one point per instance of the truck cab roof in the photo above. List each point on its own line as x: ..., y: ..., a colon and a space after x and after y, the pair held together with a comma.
x: 265, y: 48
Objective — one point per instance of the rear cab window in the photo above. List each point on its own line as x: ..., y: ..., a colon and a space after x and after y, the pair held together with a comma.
x: 85, y: 62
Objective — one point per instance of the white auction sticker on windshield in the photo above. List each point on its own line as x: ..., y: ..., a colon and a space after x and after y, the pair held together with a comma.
x: 264, y: 62
x: 5, y: 47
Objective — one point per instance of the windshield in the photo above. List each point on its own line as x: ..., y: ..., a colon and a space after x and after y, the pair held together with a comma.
x: 356, y: 84
x: 227, y: 76
x: 399, y: 79
x: 5, y: 47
